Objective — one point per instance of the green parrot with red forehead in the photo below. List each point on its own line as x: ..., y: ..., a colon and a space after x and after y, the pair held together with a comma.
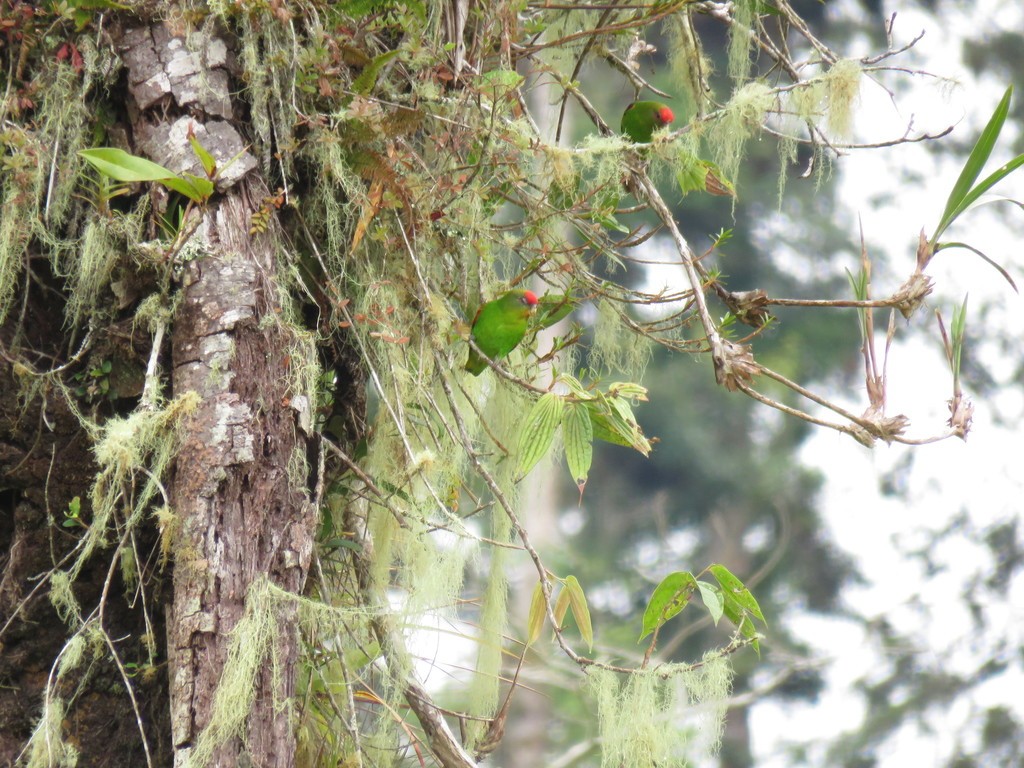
x: 499, y: 326
x: 642, y: 118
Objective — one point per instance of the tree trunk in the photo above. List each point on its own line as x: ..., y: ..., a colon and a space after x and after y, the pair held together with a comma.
x: 243, y: 490
x: 242, y: 516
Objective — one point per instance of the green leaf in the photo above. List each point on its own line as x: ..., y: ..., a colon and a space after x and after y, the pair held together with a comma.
x: 958, y: 198
x: 612, y: 428
x: 608, y: 221
x: 578, y: 436
x: 668, y: 599
x: 368, y: 77
x: 208, y: 161
x: 580, y: 611
x: 538, y: 432
x: 500, y: 81
x: 576, y: 389
x: 121, y: 166
x: 535, y: 621
x: 562, y: 605
x: 627, y: 389
x: 690, y: 175
x: 734, y: 590
x: 713, y: 600
x: 195, y: 188
x: 552, y: 308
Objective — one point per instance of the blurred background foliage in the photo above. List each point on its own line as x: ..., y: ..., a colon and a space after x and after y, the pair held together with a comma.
x: 727, y: 481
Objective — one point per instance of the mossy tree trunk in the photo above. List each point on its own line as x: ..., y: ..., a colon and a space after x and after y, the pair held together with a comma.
x: 243, y: 494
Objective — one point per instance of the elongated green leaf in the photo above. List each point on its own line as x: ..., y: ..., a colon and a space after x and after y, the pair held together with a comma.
x: 209, y: 162
x: 580, y: 611
x: 610, y: 425
x: 562, y: 605
x: 628, y: 389
x: 734, y: 590
x: 578, y: 436
x: 552, y: 308
x: 983, y: 186
x: 121, y: 166
x: 368, y: 77
x: 195, y: 188
x: 535, y: 621
x: 972, y: 168
x: 713, y: 600
x: 539, y: 432
x: 576, y: 389
x: 668, y: 599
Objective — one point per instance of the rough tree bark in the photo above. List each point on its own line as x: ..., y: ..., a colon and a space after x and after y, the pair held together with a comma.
x: 242, y: 516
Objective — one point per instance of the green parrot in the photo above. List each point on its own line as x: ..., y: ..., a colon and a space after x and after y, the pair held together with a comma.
x: 642, y: 118
x: 499, y: 326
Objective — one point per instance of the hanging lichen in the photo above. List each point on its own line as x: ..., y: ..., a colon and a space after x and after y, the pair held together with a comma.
x: 741, y: 119
x: 741, y: 36
x: 841, y: 90
x: 661, y: 717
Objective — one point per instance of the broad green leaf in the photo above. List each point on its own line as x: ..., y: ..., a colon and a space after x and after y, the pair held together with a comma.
x: 535, y: 621
x: 628, y: 389
x: 578, y: 436
x: 612, y: 426
x: 538, y: 432
x: 576, y: 389
x: 580, y: 611
x: 668, y: 599
x: 733, y: 589
x: 121, y: 166
x: 690, y: 176
x: 713, y: 600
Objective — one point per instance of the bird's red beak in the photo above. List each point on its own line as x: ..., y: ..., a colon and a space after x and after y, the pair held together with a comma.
x: 665, y: 115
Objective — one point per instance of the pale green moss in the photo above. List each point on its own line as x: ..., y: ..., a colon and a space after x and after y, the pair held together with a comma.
x: 741, y: 119
x: 740, y: 38
x: 616, y: 349
x: 663, y: 716
x: 690, y: 68
x: 842, y: 90
x: 46, y: 747
x: 253, y: 644
x: 143, y: 443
